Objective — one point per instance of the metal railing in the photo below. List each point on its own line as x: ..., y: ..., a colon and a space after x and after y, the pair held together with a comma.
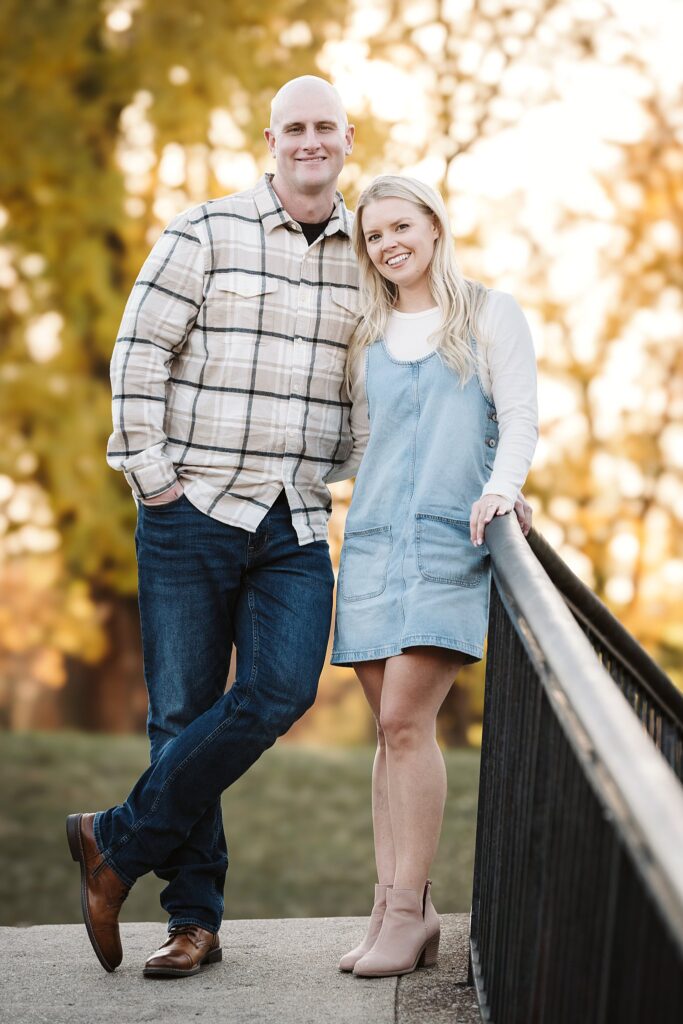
x: 577, y: 906
x: 649, y: 691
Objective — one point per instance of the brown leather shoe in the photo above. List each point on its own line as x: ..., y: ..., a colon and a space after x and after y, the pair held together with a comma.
x: 186, y: 949
x: 102, y: 891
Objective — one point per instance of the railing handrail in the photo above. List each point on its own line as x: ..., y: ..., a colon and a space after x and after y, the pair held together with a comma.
x: 587, y: 606
x: 628, y: 772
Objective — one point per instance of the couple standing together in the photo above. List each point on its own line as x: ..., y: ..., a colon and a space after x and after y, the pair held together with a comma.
x: 270, y: 342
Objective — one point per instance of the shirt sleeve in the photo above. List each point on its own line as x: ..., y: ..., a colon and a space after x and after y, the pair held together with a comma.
x: 359, y: 422
x: 160, y: 312
x: 512, y: 368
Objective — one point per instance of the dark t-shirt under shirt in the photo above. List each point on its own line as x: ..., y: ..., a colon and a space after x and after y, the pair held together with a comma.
x: 313, y: 231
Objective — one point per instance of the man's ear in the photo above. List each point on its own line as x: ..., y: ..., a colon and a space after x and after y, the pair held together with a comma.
x: 349, y: 136
x: 269, y: 136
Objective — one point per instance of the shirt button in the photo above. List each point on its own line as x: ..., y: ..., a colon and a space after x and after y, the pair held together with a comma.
x: 491, y: 442
x: 298, y: 340
x: 296, y: 388
x: 493, y: 417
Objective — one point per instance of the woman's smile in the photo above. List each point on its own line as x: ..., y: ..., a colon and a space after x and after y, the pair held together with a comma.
x: 398, y: 260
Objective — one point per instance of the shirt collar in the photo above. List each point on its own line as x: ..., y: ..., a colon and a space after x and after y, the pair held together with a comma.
x: 273, y: 214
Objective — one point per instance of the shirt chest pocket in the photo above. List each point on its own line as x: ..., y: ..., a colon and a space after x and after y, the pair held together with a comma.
x: 340, y: 319
x: 247, y: 307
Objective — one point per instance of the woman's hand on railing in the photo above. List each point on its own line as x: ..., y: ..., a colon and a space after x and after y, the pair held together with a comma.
x: 523, y: 512
x: 491, y: 505
x: 482, y: 513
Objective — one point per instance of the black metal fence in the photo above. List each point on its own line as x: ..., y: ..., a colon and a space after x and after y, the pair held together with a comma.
x: 577, y: 907
x: 649, y: 691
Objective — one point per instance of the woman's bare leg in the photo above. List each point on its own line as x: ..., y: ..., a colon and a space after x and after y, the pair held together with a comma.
x: 371, y: 675
x: 414, y: 687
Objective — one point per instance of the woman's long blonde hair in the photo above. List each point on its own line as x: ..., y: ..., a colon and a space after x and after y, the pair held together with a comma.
x: 459, y: 299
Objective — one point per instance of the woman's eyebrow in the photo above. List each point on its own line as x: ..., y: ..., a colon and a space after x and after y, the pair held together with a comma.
x: 400, y: 220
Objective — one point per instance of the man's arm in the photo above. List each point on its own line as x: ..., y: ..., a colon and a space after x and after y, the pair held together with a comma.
x: 160, y: 312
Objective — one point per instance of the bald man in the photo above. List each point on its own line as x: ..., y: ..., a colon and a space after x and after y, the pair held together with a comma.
x: 230, y: 418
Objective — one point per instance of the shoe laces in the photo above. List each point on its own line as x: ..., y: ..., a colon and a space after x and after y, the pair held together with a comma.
x: 185, y: 929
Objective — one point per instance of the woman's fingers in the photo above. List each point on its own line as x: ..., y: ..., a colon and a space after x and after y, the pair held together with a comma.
x: 483, y: 512
x: 524, y: 512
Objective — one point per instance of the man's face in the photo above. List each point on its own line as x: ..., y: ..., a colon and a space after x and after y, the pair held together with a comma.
x: 309, y: 140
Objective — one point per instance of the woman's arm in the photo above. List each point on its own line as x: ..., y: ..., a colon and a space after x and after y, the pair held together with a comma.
x: 510, y: 366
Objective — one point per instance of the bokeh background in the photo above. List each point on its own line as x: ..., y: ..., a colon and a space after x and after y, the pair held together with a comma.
x: 554, y: 129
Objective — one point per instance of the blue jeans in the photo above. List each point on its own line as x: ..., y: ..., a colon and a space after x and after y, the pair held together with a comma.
x: 204, y: 586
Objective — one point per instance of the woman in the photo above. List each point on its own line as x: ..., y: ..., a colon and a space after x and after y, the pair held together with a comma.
x: 442, y: 377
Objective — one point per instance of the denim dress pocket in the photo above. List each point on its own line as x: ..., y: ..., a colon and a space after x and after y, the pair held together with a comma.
x: 445, y: 553
x: 364, y: 562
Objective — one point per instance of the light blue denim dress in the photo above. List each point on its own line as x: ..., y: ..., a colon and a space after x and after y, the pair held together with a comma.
x: 409, y: 574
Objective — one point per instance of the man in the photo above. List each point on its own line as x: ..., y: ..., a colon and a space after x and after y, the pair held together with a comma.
x: 230, y: 413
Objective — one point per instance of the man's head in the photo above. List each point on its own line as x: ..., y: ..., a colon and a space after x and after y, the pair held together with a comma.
x: 309, y: 136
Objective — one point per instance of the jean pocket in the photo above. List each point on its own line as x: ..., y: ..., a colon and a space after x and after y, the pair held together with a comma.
x: 163, y: 504
x: 364, y: 562
x: 445, y: 553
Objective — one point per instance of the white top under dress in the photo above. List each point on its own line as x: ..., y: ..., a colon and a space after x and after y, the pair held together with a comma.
x: 506, y: 368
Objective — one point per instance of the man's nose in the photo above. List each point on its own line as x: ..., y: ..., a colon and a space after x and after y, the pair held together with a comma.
x: 310, y: 139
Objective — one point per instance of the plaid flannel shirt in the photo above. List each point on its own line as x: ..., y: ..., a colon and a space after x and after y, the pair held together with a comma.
x: 228, y: 372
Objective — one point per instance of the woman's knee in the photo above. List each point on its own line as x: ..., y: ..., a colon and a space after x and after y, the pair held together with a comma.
x: 402, y: 728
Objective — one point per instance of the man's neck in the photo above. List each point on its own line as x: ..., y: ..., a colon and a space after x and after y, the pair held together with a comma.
x: 313, y: 209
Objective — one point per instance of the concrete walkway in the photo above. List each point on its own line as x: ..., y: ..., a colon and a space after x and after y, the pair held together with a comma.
x: 277, y: 971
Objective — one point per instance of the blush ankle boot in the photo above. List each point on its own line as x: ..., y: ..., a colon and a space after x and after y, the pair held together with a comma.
x: 348, y: 961
x: 408, y: 938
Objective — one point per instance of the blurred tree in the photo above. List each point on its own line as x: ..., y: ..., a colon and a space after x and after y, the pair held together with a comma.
x: 96, y: 102
x: 116, y: 116
x: 599, y: 269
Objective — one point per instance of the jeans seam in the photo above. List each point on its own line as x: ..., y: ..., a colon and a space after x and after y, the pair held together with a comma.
x: 136, y: 826
x: 106, y: 854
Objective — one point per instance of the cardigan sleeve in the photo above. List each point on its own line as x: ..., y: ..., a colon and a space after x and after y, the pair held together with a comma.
x: 511, y: 369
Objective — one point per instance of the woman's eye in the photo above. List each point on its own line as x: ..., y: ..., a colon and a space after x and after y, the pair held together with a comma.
x: 403, y: 226
x: 372, y: 238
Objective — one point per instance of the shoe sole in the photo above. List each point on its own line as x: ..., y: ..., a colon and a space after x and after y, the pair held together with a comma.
x: 73, y: 834
x: 177, y: 972
x: 425, y: 958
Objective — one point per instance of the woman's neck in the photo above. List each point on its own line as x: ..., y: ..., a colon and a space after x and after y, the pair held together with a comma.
x: 414, y: 299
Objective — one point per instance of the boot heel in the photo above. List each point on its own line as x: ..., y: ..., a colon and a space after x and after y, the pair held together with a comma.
x: 73, y: 834
x: 430, y: 952
x: 213, y: 957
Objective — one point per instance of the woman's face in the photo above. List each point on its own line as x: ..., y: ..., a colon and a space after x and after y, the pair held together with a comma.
x: 400, y: 240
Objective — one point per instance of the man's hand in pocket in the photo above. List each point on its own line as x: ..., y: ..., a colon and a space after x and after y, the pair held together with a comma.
x: 166, y: 496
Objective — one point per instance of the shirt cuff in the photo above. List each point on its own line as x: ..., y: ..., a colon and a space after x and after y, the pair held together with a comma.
x: 150, y: 473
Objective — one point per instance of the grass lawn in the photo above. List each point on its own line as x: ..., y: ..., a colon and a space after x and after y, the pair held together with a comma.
x: 298, y: 827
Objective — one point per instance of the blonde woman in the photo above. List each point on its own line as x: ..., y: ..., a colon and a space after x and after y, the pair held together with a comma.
x: 442, y: 377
